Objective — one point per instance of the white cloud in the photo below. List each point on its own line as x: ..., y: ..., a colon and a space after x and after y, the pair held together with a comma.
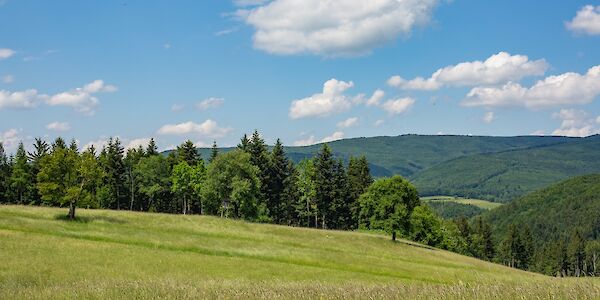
x: 20, y: 100
x: 10, y: 139
x: 586, y: 21
x: 574, y: 123
x: 398, y: 106
x: 209, y: 103
x: 135, y: 143
x: 376, y: 98
x: 333, y: 27
x: 331, y: 100
x: 378, y: 123
x: 58, y: 126
x: 201, y: 144
x: 565, y: 89
x: 8, y: 79
x: 82, y: 99
x: 226, y: 31
x: 311, y: 140
x: 498, y: 68
x: 208, y: 128
x: 350, y: 122
x: 6, y: 53
x: 489, y: 117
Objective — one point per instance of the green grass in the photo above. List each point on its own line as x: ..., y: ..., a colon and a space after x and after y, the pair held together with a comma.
x: 125, y: 255
x: 483, y: 204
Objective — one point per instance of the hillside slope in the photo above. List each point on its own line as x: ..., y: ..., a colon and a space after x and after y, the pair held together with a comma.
x: 112, y: 254
x: 507, y: 175
x: 554, y: 212
x: 408, y: 154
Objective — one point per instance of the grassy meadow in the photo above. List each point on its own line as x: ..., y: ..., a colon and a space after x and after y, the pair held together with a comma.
x: 128, y: 255
x: 483, y: 204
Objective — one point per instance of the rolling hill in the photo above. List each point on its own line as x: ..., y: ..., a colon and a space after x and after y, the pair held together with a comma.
x: 407, y: 155
x: 507, y: 175
x: 553, y: 213
x: 128, y: 255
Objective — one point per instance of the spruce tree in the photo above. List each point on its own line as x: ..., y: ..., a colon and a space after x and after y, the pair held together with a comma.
x: 259, y: 157
x: 214, y: 152
x: 20, y: 178
x: 342, y: 204
x: 244, y: 143
x: 114, y: 167
x: 324, y: 184
x: 359, y: 179
x: 59, y: 143
x: 277, y: 170
x: 576, y: 253
x: 187, y: 152
x: 151, y: 149
x: 5, y: 170
x: 41, y: 149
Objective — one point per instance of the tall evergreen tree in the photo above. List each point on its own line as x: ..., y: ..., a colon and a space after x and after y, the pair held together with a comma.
x: 213, y: 152
x: 73, y: 146
x: 341, y: 206
x: 324, y: 183
x: 278, y: 170
x: 59, y: 143
x: 576, y: 253
x: 20, y: 178
x: 527, y: 251
x: 5, y: 170
x: 41, y: 149
x: 187, y: 152
x: 484, y: 242
x: 244, y: 143
x: 113, y: 165
x: 512, y: 247
x: 359, y: 179
x: 259, y: 157
x: 151, y: 149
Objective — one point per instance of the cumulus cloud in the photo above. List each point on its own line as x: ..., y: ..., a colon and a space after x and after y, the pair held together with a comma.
x: 208, y: 128
x: 587, y: 21
x: 565, y: 89
x: 398, y: 106
x: 209, y: 103
x: 82, y: 99
x: 135, y: 143
x: 332, y: 27
x: 574, y: 123
x: 10, y: 139
x: 350, y: 122
x: 375, y: 100
x: 311, y: 140
x: 331, y: 100
x: 20, y: 100
x: 6, y: 53
x: 58, y: 126
x: 489, y: 117
x: 498, y: 68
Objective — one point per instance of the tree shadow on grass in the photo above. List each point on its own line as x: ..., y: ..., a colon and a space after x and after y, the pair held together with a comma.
x: 89, y: 219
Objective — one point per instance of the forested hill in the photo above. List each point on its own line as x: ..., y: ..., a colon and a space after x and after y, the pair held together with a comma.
x: 508, y: 175
x: 407, y: 155
x: 554, y: 212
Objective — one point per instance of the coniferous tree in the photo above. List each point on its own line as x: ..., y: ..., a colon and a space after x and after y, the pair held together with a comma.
x: 113, y: 165
x: 290, y: 196
x: 187, y: 152
x: 483, y: 242
x: 244, y: 144
x: 359, y: 179
x: 214, y: 151
x: 259, y: 157
x: 512, y: 247
x: 73, y: 146
x: 341, y: 206
x: 151, y: 149
x: 527, y: 251
x: 59, y: 143
x: 41, y: 149
x: 132, y: 158
x: 278, y: 170
x: 20, y: 178
x: 324, y: 184
x: 5, y: 170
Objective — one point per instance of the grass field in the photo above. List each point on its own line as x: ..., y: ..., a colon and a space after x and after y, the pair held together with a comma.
x: 484, y: 204
x: 125, y: 255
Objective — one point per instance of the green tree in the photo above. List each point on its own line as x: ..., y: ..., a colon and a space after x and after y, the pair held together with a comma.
x: 526, y: 255
x: 151, y: 149
x: 58, y: 182
x: 341, y: 206
x: 277, y: 172
x: 132, y: 158
x: 425, y: 226
x: 482, y: 242
x: 324, y: 183
x: 306, y: 206
x: 244, y: 144
x: 511, y: 247
x: 592, y: 255
x: 41, y: 149
x: 20, y: 178
x: 576, y: 252
x: 186, y: 183
x: 152, y: 174
x: 111, y: 159
x: 5, y: 170
x: 187, y: 152
x: 359, y: 179
x: 259, y: 156
x: 387, y: 205
x: 232, y: 187
x: 214, y: 151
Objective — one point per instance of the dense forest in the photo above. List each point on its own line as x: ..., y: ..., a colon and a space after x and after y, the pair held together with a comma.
x: 258, y: 183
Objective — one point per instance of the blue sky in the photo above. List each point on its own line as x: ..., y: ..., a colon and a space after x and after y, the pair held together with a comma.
x: 216, y: 69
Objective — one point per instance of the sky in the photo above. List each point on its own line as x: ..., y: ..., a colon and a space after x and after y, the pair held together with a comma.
x: 304, y: 71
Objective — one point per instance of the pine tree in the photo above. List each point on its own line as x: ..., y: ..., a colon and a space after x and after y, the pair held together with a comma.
x: 277, y: 171
x: 187, y: 152
x: 512, y: 247
x: 5, y: 170
x: 112, y: 163
x: 244, y: 143
x: 151, y: 149
x: 259, y: 157
x: 324, y: 183
x: 527, y: 250
x: 41, y: 149
x: 359, y: 178
x: 20, y: 178
x: 341, y: 208
x: 59, y: 143
x: 214, y: 151
x: 73, y: 146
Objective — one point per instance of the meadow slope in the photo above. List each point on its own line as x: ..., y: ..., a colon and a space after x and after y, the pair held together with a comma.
x: 118, y: 254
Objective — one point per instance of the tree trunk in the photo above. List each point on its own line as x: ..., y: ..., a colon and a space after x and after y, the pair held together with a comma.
x: 72, y: 210
x: 324, y: 225
x: 394, y: 236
